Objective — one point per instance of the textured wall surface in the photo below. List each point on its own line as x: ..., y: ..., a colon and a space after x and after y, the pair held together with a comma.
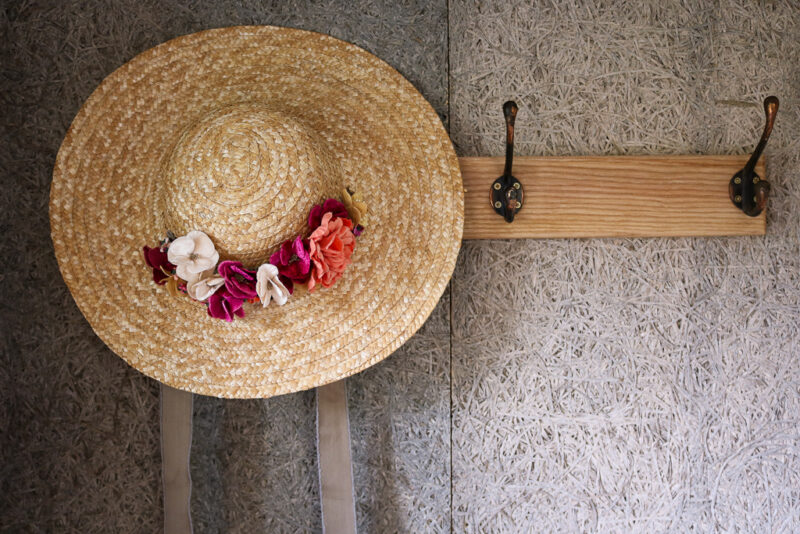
x: 624, y: 385
x: 618, y: 385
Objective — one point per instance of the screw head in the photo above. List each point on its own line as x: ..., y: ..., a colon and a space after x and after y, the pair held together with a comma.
x: 737, y: 180
x: 519, y: 205
x: 497, y: 186
x: 737, y: 198
x: 756, y: 179
x: 517, y: 185
x: 498, y: 204
x: 754, y: 199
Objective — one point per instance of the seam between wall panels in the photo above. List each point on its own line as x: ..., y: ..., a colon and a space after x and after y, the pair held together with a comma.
x: 452, y: 285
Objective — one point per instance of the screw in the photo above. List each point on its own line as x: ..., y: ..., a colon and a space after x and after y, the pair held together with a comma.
x: 737, y: 180
x: 498, y: 204
x: 519, y: 205
x: 516, y: 185
x: 756, y: 179
x: 497, y: 186
x: 754, y: 199
x: 737, y: 198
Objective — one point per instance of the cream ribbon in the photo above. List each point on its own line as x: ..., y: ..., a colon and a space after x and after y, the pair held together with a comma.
x: 176, y: 444
x: 333, y: 458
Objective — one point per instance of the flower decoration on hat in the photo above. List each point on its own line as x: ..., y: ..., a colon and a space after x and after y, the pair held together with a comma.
x: 192, y: 254
x: 293, y: 261
x: 331, y: 246
x: 157, y: 260
x: 204, y: 285
x: 190, y: 264
x: 357, y: 208
x: 269, y: 286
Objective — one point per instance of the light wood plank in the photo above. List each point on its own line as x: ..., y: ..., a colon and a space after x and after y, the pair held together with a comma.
x: 610, y: 196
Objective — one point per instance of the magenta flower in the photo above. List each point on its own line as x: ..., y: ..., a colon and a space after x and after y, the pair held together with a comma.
x: 223, y: 305
x: 331, y: 205
x: 293, y: 261
x: 240, y: 282
x: 157, y: 260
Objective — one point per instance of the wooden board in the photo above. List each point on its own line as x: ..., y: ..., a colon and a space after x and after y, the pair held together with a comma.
x: 610, y: 196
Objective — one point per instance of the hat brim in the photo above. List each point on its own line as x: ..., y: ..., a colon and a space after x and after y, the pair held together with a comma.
x: 389, y: 143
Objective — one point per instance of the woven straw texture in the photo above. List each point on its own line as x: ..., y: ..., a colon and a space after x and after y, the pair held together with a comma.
x: 238, y: 132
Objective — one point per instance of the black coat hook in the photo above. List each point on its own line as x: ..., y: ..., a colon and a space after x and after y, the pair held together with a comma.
x: 506, y: 194
x: 747, y: 190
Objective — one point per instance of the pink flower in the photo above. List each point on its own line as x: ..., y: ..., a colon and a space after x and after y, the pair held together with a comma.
x: 157, y: 260
x: 331, y: 246
x: 223, y: 305
x: 293, y: 262
x: 329, y: 206
x: 240, y: 282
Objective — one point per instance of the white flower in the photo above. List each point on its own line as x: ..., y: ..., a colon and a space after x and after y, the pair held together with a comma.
x: 269, y: 286
x: 192, y: 254
x: 203, y: 285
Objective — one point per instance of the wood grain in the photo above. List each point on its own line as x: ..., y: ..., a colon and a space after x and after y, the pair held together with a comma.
x: 610, y: 196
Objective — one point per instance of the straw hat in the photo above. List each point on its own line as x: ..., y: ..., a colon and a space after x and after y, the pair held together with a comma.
x: 238, y: 132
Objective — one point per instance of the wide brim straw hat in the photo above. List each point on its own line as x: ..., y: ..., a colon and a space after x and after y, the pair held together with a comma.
x: 238, y: 132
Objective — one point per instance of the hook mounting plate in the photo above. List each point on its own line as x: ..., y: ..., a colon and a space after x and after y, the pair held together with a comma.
x: 507, y: 195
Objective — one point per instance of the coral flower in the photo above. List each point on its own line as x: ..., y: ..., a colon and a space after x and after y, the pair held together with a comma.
x: 331, y: 246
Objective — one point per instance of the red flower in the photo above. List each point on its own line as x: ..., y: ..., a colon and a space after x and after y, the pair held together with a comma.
x: 293, y: 262
x: 157, y: 260
x: 223, y: 305
x: 329, y: 206
x: 240, y: 282
x: 331, y: 246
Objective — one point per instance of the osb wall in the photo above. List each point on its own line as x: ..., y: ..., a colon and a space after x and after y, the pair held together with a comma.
x: 630, y: 385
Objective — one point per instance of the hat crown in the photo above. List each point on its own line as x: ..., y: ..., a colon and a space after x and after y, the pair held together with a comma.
x: 247, y: 176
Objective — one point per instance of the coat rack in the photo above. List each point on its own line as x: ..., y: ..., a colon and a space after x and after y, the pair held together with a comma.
x: 615, y: 196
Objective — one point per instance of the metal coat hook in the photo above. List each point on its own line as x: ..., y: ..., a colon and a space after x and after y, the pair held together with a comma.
x: 506, y: 193
x: 747, y: 190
